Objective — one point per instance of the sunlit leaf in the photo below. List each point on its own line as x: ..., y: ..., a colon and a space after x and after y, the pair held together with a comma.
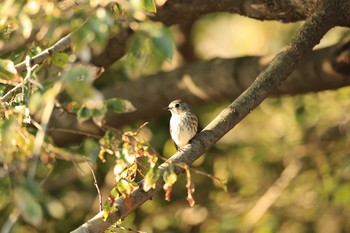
x: 84, y: 114
x: 114, y: 193
x: 125, y: 155
x: 152, y: 158
x: 98, y: 115
x: 7, y: 70
x: 150, y: 179
x: 119, y: 105
x: 94, y: 32
x: 149, y: 5
x: 78, y: 83
x: 101, y: 155
x: 126, y: 187
x: 107, y: 209
x: 108, y: 139
x: 26, y: 25
x: 60, y: 59
x: 169, y: 177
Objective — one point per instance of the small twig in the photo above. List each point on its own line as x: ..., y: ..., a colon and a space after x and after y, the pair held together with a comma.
x: 96, y: 185
x: 58, y: 153
x: 139, y: 129
x: 221, y: 181
x: 60, y: 45
x: 26, y: 79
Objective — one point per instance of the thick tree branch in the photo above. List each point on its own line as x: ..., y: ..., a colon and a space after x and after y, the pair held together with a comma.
x: 183, y: 11
x: 278, y: 70
x: 210, y: 81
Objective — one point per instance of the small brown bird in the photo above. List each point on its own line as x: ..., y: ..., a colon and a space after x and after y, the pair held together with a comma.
x: 183, y: 123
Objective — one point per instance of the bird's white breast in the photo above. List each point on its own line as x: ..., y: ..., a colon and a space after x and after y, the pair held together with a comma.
x: 179, y: 133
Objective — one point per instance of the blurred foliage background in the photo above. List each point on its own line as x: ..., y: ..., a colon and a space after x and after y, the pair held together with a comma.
x: 285, y: 168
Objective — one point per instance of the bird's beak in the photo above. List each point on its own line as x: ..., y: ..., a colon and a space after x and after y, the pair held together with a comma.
x: 166, y: 108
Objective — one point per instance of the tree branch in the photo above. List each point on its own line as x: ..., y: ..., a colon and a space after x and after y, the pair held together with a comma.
x: 278, y: 70
x: 183, y: 11
x: 59, y: 46
x: 211, y: 81
x: 25, y: 80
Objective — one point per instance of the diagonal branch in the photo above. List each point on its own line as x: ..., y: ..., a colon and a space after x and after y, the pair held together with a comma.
x: 59, y: 46
x: 278, y: 70
x: 211, y: 81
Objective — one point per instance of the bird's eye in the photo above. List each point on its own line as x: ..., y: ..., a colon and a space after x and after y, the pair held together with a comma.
x: 177, y: 105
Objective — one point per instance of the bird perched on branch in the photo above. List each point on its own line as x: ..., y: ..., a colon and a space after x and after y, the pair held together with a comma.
x: 183, y: 123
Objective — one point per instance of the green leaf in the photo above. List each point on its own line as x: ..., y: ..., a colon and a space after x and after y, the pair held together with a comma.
x: 108, y: 139
x: 162, y: 43
x: 28, y: 206
x: 32, y: 186
x: 84, y: 114
x: 107, y: 209
x: 149, y: 5
x: 150, y: 180
x: 60, y: 59
x: 94, y: 32
x: 114, y: 193
x: 78, y: 83
x: 98, y: 115
x: 18, y: 98
x: 169, y: 177
x: 126, y: 187
x: 119, y: 105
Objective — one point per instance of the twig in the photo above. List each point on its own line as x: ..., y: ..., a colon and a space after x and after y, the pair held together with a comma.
x: 60, y: 45
x: 96, y: 185
x: 26, y: 79
x: 139, y: 129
